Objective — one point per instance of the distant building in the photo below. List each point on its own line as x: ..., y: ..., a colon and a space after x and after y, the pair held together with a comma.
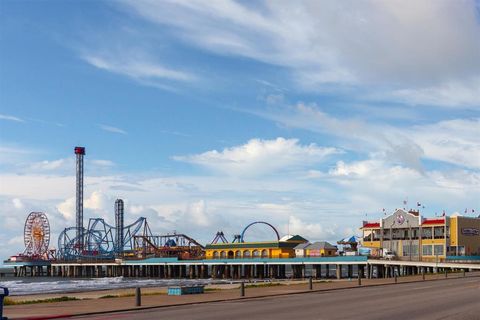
x: 411, y: 237
x: 300, y: 249
x: 283, y: 248
x: 321, y: 249
x: 316, y: 249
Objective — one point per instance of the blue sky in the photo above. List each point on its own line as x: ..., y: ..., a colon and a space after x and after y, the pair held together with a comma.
x: 311, y: 115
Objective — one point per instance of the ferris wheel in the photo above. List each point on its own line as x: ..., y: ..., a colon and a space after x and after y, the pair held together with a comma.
x: 36, y: 235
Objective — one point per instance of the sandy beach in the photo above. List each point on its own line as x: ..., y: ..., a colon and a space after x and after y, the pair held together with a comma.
x: 160, y: 290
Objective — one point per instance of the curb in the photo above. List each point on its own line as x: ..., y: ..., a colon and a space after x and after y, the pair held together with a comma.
x: 231, y: 299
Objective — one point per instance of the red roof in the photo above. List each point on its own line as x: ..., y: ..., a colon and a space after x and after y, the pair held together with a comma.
x: 372, y: 225
x: 433, y: 221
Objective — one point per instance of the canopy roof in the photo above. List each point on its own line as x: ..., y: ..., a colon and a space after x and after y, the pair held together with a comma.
x: 349, y: 240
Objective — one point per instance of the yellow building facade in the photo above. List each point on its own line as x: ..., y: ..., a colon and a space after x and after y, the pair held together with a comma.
x: 252, y: 250
x: 410, y: 237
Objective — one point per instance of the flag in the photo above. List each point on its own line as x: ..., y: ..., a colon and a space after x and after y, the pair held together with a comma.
x: 419, y: 204
x: 473, y: 210
x: 466, y: 210
x: 405, y: 202
x: 443, y: 214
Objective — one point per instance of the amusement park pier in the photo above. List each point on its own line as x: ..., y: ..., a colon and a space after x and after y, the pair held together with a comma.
x: 99, y: 249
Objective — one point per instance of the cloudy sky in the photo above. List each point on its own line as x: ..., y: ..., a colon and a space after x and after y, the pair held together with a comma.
x: 208, y: 115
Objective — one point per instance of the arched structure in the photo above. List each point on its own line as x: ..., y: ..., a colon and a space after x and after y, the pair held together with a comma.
x: 259, y: 222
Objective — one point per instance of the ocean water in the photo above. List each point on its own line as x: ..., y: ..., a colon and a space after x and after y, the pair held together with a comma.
x: 24, y: 286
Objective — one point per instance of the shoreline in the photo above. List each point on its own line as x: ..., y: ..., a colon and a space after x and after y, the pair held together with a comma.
x: 150, y: 290
x: 97, y: 284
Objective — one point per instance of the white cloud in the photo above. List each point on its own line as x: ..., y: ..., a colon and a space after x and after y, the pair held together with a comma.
x: 138, y: 67
x: 13, y: 154
x: 356, y: 169
x: 47, y: 165
x: 65, y: 166
x: 423, y: 52
x: 261, y: 157
x: 17, y: 203
x: 18, y: 241
x: 311, y: 230
x: 111, y: 129
x: 376, y: 181
x: 67, y: 209
x: 10, y: 118
x: 102, y: 163
x: 197, y: 213
x: 97, y: 203
x: 36, y: 186
x: 451, y: 141
x: 458, y: 94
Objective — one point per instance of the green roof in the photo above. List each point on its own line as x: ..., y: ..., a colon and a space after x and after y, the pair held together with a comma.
x: 297, y: 238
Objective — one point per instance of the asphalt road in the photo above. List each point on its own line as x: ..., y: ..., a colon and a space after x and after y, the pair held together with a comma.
x: 443, y: 299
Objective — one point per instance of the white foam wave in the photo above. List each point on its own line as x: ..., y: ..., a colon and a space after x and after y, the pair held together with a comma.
x: 55, y: 285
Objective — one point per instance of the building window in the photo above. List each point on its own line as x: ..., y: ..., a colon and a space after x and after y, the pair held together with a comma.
x: 398, y: 234
x: 215, y: 254
x: 427, y: 233
x: 438, y: 250
x: 410, y: 250
x: 246, y: 254
x: 415, y: 233
x: 414, y: 250
x: 439, y: 233
x: 256, y: 253
x: 427, y: 250
x: 238, y: 254
x: 264, y: 253
x: 406, y: 250
x: 386, y: 234
x: 367, y: 236
x: 223, y: 254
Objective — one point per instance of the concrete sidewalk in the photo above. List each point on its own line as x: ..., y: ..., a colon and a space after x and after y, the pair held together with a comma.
x: 79, y: 307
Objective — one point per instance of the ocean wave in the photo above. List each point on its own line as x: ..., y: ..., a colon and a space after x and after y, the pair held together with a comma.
x: 27, y: 286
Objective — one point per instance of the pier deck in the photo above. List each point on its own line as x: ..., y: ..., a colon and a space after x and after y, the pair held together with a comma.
x: 297, y: 268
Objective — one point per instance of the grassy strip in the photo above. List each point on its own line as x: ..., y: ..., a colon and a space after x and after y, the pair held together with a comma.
x: 109, y: 296
x: 10, y: 302
x: 266, y: 284
x: 275, y: 284
x: 123, y: 295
